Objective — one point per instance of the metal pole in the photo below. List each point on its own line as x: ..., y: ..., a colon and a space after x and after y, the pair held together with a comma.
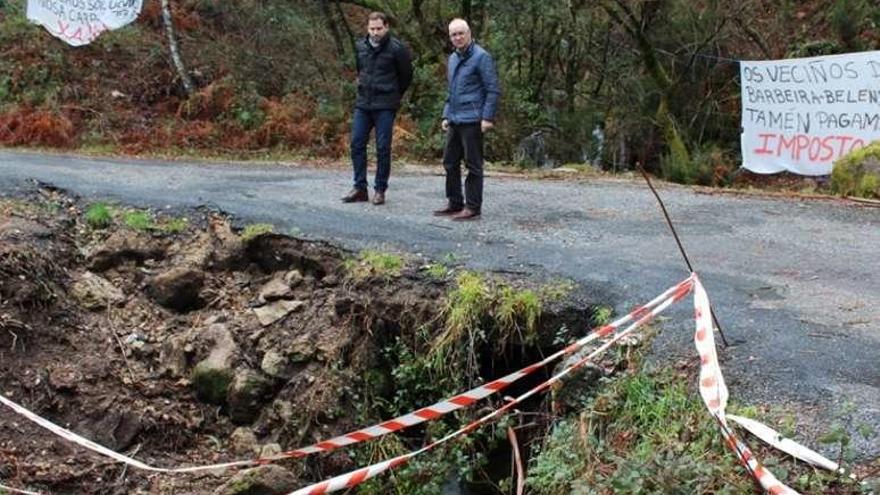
x: 680, y: 247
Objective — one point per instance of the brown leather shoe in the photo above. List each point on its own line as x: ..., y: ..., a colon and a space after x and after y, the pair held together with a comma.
x: 378, y: 198
x: 355, y: 196
x: 465, y: 215
x: 448, y: 211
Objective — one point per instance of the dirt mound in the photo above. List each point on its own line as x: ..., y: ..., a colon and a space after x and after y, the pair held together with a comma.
x: 162, y: 345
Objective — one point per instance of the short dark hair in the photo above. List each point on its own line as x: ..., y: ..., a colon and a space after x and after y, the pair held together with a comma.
x: 378, y: 15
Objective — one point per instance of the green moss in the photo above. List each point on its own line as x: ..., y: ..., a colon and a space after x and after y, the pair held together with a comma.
x: 850, y: 176
x: 255, y: 230
x: 211, y: 384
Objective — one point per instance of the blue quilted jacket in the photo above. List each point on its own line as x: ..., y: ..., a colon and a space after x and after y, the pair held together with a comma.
x: 473, y: 86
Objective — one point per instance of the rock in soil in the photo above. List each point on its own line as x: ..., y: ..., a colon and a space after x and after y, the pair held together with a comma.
x: 178, y: 288
x: 263, y: 480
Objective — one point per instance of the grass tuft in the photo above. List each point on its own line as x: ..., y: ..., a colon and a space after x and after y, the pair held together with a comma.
x: 438, y: 271
x: 518, y: 310
x: 174, y: 225
x: 99, y: 216
x: 371, y: 263
x: 138, y: 220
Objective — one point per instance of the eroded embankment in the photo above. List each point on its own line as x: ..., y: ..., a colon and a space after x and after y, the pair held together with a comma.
x: 187, y: 343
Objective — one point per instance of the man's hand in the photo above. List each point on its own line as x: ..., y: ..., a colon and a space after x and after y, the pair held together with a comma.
x: 444, y: 124
x: 485, y: 125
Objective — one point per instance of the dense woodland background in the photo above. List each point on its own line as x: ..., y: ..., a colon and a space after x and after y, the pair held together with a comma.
x: 659, y: 77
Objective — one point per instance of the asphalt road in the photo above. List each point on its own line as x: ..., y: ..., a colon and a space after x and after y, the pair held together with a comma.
x: 795, y: 283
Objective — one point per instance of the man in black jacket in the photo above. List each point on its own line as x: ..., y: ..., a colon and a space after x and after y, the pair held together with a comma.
x: 384, y: 73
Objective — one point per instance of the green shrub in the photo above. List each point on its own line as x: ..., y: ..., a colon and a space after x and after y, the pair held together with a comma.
x: 858, y: 173
x: 644, y: 433
x: 707, y: 166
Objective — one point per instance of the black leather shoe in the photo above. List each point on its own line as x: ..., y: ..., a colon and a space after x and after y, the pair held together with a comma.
x: 465, y: 215
x: 355, y: 196
x: 448, y: 211
x: 378, y: 198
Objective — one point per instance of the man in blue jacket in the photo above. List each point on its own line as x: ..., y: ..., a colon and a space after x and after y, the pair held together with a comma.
x: 384, y: 73
x: 469, y: 112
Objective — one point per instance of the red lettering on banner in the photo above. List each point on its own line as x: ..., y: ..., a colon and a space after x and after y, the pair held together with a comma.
x: 77, y: 35
x: 817, y: 149
x: 785, y: 144
x: 764, y: 150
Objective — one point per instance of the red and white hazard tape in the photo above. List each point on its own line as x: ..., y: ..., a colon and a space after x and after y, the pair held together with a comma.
x: 85, y: 442
x: 712, y: 390
x: 358, y: 476
x: 9, y: 489
x: 715, y: 395
x: 465, y: 399
x: 425, y: 414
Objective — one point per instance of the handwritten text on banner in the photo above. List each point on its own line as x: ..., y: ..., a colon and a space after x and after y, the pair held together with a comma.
x: 803, y: 114
x: 79, y: 22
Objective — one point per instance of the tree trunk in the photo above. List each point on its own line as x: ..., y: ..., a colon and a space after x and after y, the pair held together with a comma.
x: 333, y: 28
x: 175, y: 53
x: 623, y: 15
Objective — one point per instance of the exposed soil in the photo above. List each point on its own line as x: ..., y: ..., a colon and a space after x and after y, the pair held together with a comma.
x: 191, y: 348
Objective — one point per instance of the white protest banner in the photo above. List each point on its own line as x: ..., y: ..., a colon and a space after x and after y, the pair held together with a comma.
x: 803, y: 114
x: 79, y: 22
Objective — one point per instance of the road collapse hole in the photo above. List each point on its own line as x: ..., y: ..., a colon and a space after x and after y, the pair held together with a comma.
x: 197, y: 342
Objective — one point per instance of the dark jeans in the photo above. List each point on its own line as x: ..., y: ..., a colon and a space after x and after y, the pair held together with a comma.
x: 464, y: 141
x: 362, y: 123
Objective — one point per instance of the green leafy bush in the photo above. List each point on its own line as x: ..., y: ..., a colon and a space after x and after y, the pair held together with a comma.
x: 858, y: 173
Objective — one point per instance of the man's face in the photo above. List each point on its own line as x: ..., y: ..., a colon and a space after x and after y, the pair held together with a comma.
x: 460, y: 35
x: 377, y: 29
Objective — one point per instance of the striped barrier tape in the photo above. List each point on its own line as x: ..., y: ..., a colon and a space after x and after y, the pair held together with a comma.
x: 425, y: 414
x: 712, y: 387
x: 465, y: 399
x: 774, y: 439
x: 713, y: 390
x: 4, y: 488
x: 356, y: 477
x: 100, y: 449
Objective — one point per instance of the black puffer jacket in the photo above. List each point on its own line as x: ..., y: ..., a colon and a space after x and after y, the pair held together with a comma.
x: 384, y: 74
